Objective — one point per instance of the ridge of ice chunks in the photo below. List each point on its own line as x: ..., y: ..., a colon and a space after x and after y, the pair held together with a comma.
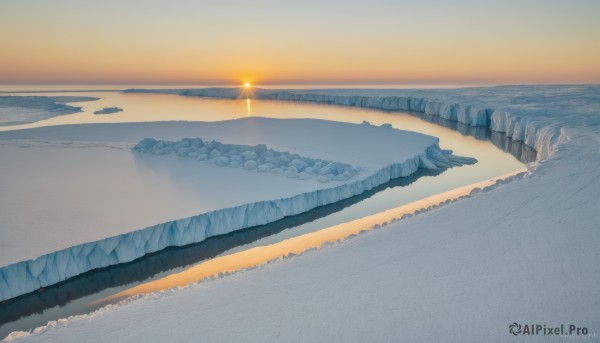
x: 257, y: 158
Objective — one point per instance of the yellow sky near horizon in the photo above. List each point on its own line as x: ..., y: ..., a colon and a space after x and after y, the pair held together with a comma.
x: 270, y: 42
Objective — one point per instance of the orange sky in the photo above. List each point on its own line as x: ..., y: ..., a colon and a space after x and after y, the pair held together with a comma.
x: 272, y: 42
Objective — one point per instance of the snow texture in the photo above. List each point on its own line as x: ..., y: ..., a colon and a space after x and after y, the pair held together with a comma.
x: 16, y: 110
x: 258, y: 158
x: 26, y: 276
x: 108, y: 110
x: 526, y: 251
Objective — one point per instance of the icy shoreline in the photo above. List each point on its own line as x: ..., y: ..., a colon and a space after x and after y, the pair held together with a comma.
x: 515, y: 120
x: 258, y: 158
x: 24, y: 277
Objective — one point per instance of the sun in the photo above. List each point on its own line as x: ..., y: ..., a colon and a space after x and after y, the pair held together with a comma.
x: 247, y: 85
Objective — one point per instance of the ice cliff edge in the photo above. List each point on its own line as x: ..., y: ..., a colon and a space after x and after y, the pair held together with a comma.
x: 26, y: 276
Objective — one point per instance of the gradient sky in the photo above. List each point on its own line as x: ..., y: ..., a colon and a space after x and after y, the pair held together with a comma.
x: 299, y: 42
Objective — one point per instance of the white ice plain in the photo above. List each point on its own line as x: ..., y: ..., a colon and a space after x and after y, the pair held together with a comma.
x: 524, y: 252
x: 91, y: 201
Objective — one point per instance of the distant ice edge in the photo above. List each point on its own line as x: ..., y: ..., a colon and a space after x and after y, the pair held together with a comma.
x: 27, y: 276
x: 535, y: 132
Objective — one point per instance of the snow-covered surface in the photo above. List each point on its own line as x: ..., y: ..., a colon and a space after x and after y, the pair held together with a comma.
x: 525, y: 252
x: 15, y: 110
x: 92, y: 170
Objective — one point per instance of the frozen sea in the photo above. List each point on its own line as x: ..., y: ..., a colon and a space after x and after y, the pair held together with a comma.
x: 464, y: 140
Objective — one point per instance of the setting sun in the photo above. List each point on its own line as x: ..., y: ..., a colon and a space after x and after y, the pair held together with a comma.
x: 398, y: 160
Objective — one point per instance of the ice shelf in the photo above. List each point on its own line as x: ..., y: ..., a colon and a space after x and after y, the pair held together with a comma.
x: 333, y: 147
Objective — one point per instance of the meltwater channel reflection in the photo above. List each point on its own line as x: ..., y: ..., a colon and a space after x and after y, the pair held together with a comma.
x: 75, y: 295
